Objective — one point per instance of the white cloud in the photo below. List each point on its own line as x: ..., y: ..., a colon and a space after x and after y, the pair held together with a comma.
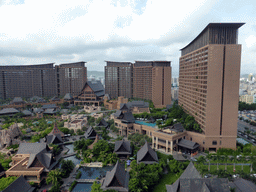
x: 251, y: 41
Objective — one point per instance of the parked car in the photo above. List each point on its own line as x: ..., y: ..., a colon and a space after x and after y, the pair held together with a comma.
x: 236, y: 176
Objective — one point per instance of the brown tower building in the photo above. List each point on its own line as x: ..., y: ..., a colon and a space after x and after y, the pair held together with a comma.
x: 118, y: 79
x: 27, y: 81
x: 43, y: 80
x: 209, y: 84
x: 152, y: 80
x: 71, y: 78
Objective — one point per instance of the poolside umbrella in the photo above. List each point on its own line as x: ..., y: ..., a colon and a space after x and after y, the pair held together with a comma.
x: 128, y: 162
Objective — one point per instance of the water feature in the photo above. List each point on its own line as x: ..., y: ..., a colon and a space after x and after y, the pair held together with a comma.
x: 82, y: 187
x: 70, y: 147
x: 94, y: 172
x: 145, y: 123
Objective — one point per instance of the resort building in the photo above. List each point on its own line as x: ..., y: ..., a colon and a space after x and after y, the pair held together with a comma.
x: 90, y: 133
x: 167, y: 139
x: 209, y: 84
x: 135, y: 107
x: 45, y: 80
x: 115, y: 103
x: 144, y: 80
x: 116, y: 179
x: 118, y: 79
x: 33, y: 161
x: 152, y: 81
x: 92, y: 109
x: 71, y: 78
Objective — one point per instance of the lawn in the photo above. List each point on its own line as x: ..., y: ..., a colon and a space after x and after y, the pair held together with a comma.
x: 168, y: 179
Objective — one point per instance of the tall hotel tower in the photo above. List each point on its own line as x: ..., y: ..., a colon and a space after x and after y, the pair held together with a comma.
x: 209, y: 84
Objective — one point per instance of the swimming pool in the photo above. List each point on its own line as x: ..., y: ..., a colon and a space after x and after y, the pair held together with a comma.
x: 93, y: 172
x: 144, y: 123
x: 85, y: 187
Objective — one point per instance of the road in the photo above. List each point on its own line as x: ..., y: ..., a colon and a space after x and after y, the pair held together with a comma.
x: 241, y: 125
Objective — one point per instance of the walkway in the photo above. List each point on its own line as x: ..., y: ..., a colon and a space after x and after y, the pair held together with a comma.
x: 68, y: 155
x: 86, y: 180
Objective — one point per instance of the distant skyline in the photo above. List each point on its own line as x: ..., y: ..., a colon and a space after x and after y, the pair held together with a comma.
x: 37, y: 32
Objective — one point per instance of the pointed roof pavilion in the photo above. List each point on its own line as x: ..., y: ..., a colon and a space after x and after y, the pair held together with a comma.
x: 116, y: 179
x: 147, y: 155
x: 123, y: 147
x: 56, y: 131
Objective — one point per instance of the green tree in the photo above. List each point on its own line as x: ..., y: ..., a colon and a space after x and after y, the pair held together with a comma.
x: 66, y: 167
x: 54, y: 177
x: 96, y: 187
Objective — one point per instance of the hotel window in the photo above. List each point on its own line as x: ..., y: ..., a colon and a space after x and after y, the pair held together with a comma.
x: 214, y: 142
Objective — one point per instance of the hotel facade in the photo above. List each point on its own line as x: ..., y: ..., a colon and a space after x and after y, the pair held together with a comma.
x: 209, y: 84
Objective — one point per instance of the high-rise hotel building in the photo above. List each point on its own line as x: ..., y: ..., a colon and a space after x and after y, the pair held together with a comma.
x: 209, y: 84
x: 149, y: 80
x: 152, y: 81
x: 45, y: 80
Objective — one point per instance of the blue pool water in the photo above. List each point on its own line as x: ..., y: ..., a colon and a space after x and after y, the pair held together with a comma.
x: 144, y: 123
x: 94, y: 172
x: 82, y: 187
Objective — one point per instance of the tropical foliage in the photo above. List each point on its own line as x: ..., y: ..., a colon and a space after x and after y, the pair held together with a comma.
x: 66, y: 167
x: 6, y: 181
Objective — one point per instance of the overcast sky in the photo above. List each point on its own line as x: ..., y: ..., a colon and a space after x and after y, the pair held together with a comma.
x: 37, y: 32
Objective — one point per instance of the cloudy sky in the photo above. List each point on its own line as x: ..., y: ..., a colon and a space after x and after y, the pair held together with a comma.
x: 36, y: 31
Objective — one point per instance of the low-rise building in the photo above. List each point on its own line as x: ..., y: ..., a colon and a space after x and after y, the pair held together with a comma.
x: 33, y: 161
x: 20, y: 185
x: 97, y: 115
x: 92, y: 93
x: 114, y: 104
x: 92, y: 108
x: 75, y: 124
x: 135, y: 107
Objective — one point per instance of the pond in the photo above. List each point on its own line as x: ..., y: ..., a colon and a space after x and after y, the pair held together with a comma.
x: 70, y: 147
x: 93, y: 172
x: 82, y: 187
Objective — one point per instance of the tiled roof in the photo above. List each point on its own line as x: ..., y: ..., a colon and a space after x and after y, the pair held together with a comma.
x: 178, y: 127
x: 38, y: 110
x: 19, y: 185
x: 32, y: 148
x: 17, y: 100
x: 147, y: 155
x: 26, y: 112
x: 190, y: 172
x: 117, y: 178
x: 8, y: 110
x: 50, y: 106
x: 129, y: 105
x: 122, y: 147
x: 188, y: 144
x: 68, y: 96
x: 55, y: 98
x: 244, y: 185
x: 52, y: 139
x: 96, y: 86
x: 56, y: 131
x: 200, y: 185
x: 128, y: 116
x: 90, y: 133
x: 103, y: 123
x: 50, y: 111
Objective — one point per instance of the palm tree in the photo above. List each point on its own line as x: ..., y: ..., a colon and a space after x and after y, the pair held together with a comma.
x: 218, y: 158
x: 242, y: 158
x: 226, y: 159
x: 251, y: 159
x: 208, y: 157
x: 54, y: 177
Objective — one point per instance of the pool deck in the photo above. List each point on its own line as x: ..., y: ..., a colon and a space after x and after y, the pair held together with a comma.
x: 94, y: 164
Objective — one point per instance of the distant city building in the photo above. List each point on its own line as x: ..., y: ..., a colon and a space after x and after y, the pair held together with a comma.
x: 209, y: 84
x: 43, y: 80
x: 175, y: 93
x: 149, y: 80
x: 250, y: 76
